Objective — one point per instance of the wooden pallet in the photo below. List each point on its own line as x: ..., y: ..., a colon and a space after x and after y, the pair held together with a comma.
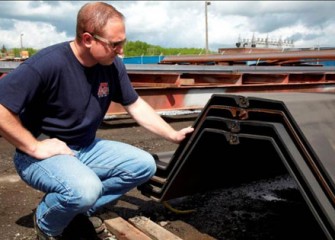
x: 138, y: 228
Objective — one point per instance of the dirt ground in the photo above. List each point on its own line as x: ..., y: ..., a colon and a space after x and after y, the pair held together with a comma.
x: 266, y: 209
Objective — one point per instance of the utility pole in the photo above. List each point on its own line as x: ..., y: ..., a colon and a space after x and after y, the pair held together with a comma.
x: 206, y: 24
x: 21, y: 35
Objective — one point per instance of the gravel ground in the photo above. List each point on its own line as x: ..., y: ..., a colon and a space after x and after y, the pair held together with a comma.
x: 266, y: 209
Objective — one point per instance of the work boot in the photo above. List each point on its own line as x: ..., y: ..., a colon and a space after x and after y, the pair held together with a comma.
x: 100, y: 229
x: 80, y: 228
x: 83, y: 227
x: 40, y: 235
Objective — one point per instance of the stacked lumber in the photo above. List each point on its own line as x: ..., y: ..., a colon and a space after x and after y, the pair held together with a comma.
x: 138, y: 228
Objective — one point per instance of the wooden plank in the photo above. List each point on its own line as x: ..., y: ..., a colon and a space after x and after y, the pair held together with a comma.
x: 123, y: 230
x: 152, y: 229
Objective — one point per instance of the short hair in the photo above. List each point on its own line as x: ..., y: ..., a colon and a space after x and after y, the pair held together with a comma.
x: 93, y: 16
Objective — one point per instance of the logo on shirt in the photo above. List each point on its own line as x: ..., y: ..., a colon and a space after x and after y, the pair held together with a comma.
x: 103, y: 90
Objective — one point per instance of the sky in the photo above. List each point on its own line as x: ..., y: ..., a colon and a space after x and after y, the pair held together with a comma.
x: 176, y: 24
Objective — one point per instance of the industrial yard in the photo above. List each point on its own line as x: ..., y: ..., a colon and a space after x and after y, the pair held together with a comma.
x: 274, y: 179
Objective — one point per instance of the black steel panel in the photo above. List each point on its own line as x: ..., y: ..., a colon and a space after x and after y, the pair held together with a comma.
x: 306, y: 127
x: 310, y: 114
x: 192, y: 173
x: 295, y: 128
x: 216, y: 160
x: 312, y: 191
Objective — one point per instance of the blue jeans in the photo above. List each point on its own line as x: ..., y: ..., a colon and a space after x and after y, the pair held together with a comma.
x: 95, y: 176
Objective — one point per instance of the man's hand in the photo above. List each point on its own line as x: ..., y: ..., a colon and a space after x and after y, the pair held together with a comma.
x: 51, y: 147
x: 181, y: 134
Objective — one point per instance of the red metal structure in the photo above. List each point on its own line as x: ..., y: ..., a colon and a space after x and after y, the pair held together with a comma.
x: 291, y: 58
x: 187, y: 82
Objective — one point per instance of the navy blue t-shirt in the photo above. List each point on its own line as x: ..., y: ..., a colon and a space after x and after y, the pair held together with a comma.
x: 57, y: 96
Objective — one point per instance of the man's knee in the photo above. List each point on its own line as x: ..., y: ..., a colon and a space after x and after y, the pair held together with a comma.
x: 86, y: 192
x: 149, y: 167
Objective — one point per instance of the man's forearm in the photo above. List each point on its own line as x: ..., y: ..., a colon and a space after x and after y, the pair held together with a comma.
x: 147, y: 117
x: 13, y: 131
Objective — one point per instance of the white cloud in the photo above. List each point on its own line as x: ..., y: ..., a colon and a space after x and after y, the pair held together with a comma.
x: 176, y: 23
x: 35, y: 35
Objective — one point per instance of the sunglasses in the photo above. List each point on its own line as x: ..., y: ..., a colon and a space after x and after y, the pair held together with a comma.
x: 113, y: 45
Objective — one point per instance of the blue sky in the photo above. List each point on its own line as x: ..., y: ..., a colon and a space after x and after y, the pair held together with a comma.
x: 176, y: 23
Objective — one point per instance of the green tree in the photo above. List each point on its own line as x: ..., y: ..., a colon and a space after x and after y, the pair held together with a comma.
x: 139, y: 48
x: 136, y: 48
x: 31, y: 51
x: 16, y: 52
x: 3, y: 49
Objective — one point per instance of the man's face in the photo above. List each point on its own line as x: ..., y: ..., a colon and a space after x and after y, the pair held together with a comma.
x: 110, y: 43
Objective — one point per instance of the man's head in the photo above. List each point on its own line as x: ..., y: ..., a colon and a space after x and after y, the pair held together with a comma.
x: 93, y: 17
x: 101, y: 30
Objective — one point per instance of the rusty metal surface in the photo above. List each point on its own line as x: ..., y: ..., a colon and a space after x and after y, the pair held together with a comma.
x: 275, y: 58
x: 192, y: 88
x: 171, y: 87
x: 145, y: 68
x: 192, y: 97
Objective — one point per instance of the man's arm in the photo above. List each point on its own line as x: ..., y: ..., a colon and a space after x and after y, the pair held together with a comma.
x: 147, y: 117
x: 13, y: 131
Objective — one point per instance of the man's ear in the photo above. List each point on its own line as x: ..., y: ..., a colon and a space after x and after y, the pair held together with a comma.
x: 87, y: 39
